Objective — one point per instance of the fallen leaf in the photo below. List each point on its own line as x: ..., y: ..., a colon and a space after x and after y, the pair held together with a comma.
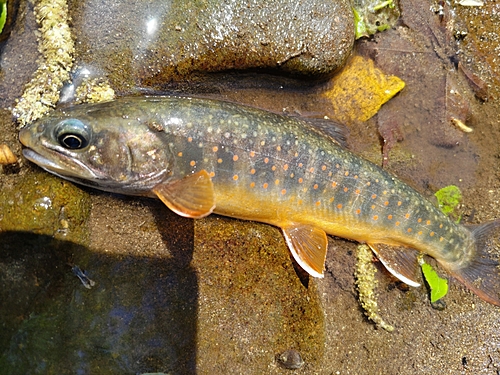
x: 360, y: 89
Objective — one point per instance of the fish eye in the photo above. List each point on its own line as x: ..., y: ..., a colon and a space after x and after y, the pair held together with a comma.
x: 72, y: 134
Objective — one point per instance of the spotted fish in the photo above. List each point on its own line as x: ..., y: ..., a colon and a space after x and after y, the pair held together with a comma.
x: 201, y: 156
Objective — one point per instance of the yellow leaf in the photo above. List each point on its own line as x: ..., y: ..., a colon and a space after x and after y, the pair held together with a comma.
x: 360, y: 89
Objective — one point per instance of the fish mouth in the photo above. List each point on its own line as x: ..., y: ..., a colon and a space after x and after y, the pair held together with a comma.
x: 72, y: 170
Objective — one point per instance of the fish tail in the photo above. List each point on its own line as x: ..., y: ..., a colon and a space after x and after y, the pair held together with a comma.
x: 481, y: 273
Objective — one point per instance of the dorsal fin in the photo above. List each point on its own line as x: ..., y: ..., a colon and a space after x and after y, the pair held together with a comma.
x: 308, y: 246
x: 193, y: 196
x: 400, y: 261
x: 332, y: 129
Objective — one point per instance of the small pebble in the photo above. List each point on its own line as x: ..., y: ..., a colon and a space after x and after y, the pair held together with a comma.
x: 6, y: 155
x: 290, y: 359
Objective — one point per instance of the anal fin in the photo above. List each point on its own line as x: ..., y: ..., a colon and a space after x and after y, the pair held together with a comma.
x: 193, y: 196
x: 400, y: 261
x: 308, y: 246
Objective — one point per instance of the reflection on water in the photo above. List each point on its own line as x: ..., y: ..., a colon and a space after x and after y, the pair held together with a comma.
x: 140, y: 316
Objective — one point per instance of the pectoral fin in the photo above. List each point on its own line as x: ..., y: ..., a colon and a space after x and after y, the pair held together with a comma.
x: 308, y: 246
x: 399, y: 260
x: 193, y: 196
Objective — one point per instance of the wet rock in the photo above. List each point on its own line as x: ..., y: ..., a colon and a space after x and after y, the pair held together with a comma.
x: 148, y: 44
x: 251, y: 301
x: 44, y: 204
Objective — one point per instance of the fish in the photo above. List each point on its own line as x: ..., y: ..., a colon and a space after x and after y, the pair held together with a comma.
x: 201, y: 156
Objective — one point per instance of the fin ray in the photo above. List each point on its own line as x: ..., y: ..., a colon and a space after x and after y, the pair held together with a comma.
x: 308, y: 246
x: 193, y: 196
x: 400, y: 261
x: 481, y: 273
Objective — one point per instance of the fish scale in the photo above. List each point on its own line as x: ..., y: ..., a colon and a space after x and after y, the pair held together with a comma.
x: 201, y: 156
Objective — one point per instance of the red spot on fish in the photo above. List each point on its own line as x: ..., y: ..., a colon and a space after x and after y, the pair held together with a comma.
x: 323, y: 167
x: 265, y: 185
x: 215, y: 149
x: 283, y: 191
x: 252, y: 171
x: 235, y: 177
x: 285, y: 167
x: 374, y: 196
x: 252, y: 154
x: 389, y: 217
x: 315, y: 186
x: 358, y: 211
x: 266, y: 160
x: 192, y: 163
x: 179, y: 154
x: 235, y: 157
x: 339, y: 206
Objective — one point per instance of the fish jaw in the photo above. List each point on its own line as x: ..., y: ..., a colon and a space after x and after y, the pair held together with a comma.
x: 54, y: 159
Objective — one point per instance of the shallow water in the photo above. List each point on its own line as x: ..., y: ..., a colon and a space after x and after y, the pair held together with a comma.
x: 175, y: 295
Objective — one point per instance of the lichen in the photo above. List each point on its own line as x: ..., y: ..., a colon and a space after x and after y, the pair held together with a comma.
x: 94, y: 90
x: 366, y: 283
x: 56, y: 46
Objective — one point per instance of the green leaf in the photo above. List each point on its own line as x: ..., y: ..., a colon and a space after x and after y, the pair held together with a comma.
x: 3, y: 14
x: 438, y: 285
x: 448, y: 198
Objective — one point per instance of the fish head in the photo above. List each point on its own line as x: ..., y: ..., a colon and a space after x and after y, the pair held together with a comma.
x: 107, y: 153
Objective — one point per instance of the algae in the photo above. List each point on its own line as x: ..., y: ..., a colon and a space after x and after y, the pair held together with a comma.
x: 366, y: 283
x: 371, y: 16
x: 45, y: 204
x: 57, y: 48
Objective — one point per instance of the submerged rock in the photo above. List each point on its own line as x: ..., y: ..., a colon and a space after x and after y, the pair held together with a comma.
x: 158, y: 42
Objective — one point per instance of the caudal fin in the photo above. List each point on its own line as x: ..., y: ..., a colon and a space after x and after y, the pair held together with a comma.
x: 482, y: 273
